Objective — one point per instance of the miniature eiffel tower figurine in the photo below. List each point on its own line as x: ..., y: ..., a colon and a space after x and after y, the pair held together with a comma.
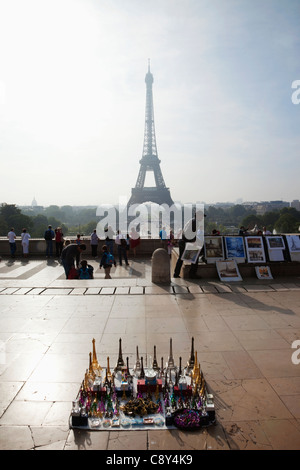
x: 142, y: 374
x: 155, y: 365
x: 108, y: 376
x: 171, y: 364
x: 179, y: 370
x: 137, y: 366
x: 127, y: 366
x: 96, y: 366
x: 91, y: 370
x: 120, y: 363
x: 196, y: 370
x: 191, y: 361
x: 162, y: 367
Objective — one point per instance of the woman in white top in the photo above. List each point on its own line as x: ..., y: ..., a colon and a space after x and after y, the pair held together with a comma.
x: 25, y: 242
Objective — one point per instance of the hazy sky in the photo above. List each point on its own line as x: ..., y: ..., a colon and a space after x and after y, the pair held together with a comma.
x: 73, y: 95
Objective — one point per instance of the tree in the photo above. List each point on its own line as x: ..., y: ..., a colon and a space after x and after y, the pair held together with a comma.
x: 287, y: 223
x: 40, y: 223
x: 13, y: 217
x: 252, y: 220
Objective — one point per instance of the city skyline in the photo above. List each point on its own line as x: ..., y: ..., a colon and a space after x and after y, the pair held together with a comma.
x: 72, y: 99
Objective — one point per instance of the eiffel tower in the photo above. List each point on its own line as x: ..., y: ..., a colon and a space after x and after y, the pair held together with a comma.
x: 158, y: 194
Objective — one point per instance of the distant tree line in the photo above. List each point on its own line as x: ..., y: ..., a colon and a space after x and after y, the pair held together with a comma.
x: 71, y: 222
x: 286, y: 220
x: 83, y: 220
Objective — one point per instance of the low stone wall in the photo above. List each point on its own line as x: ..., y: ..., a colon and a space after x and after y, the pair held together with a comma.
x: 37, y: 247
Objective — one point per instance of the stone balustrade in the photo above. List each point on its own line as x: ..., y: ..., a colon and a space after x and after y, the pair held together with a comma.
x: 37, y: 246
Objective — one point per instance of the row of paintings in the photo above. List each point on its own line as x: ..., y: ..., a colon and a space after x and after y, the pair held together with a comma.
x: 252, y: 248
x: 228, y: 271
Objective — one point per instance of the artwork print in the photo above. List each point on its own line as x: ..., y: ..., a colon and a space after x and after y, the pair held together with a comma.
x: 228, y: 270
x: 191, y: 253
x: 263, y: 272
x: 213, y: 247
x: 234, y: 247
x: 293, y: 242
x: 275, y: 243
x: 254, y: 242
x: 255, y: 249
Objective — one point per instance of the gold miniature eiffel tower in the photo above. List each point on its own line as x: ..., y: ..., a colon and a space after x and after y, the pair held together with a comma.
x: 95, y: 364
x: 196, y: 370
x: 91, y: 370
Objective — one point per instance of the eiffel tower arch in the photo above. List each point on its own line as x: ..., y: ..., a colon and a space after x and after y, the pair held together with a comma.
x: 159, y: 193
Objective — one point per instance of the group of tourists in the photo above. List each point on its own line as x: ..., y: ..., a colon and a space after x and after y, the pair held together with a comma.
x: 70, y: 255
x: 49, y: 236
x: 24, y: 241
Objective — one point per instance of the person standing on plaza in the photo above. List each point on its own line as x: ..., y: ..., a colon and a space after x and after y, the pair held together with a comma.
x: 121, y: 245
x: 163, y: 237
x: 70, y: 254
x: 12, y: 242
x: 107, y: 260
x: 134, y: 240
x: 78, y: 239
x: 25, y: 242
x: 94, y: 243
x: 171, y: 242
x: 109, y: 239
x: 59, y: 241
x: 49, y: 235
x: 189, y: 235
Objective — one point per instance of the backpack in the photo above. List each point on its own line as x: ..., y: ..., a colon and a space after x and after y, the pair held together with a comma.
x: 110, y: 259
x: 73, y: 274
x: 48, y: 235
x: 84, y: 274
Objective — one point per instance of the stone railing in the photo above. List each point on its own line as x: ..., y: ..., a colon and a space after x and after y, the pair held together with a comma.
x: 37, y: 246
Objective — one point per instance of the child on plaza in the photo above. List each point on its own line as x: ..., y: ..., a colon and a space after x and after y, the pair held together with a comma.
x: 107, y: 261
x: 85, y: 271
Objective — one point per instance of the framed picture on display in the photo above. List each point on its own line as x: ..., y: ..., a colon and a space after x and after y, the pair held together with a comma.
x: 275, y: 246
x: 255, y: 249
x: 275, y: 242
x: 191, y: 253
x: 263, y: 272
x: 213, y: 248
x: 235, y: 249
x: 228, y: 270
x: 293, y: 242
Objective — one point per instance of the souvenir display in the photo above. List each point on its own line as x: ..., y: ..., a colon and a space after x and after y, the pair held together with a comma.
x: 143, y: 397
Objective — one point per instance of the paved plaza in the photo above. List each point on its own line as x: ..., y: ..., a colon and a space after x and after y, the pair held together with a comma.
x: 243, y: 334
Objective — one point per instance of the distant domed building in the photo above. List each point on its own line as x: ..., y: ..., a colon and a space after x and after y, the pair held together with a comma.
x: 34, y: 203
